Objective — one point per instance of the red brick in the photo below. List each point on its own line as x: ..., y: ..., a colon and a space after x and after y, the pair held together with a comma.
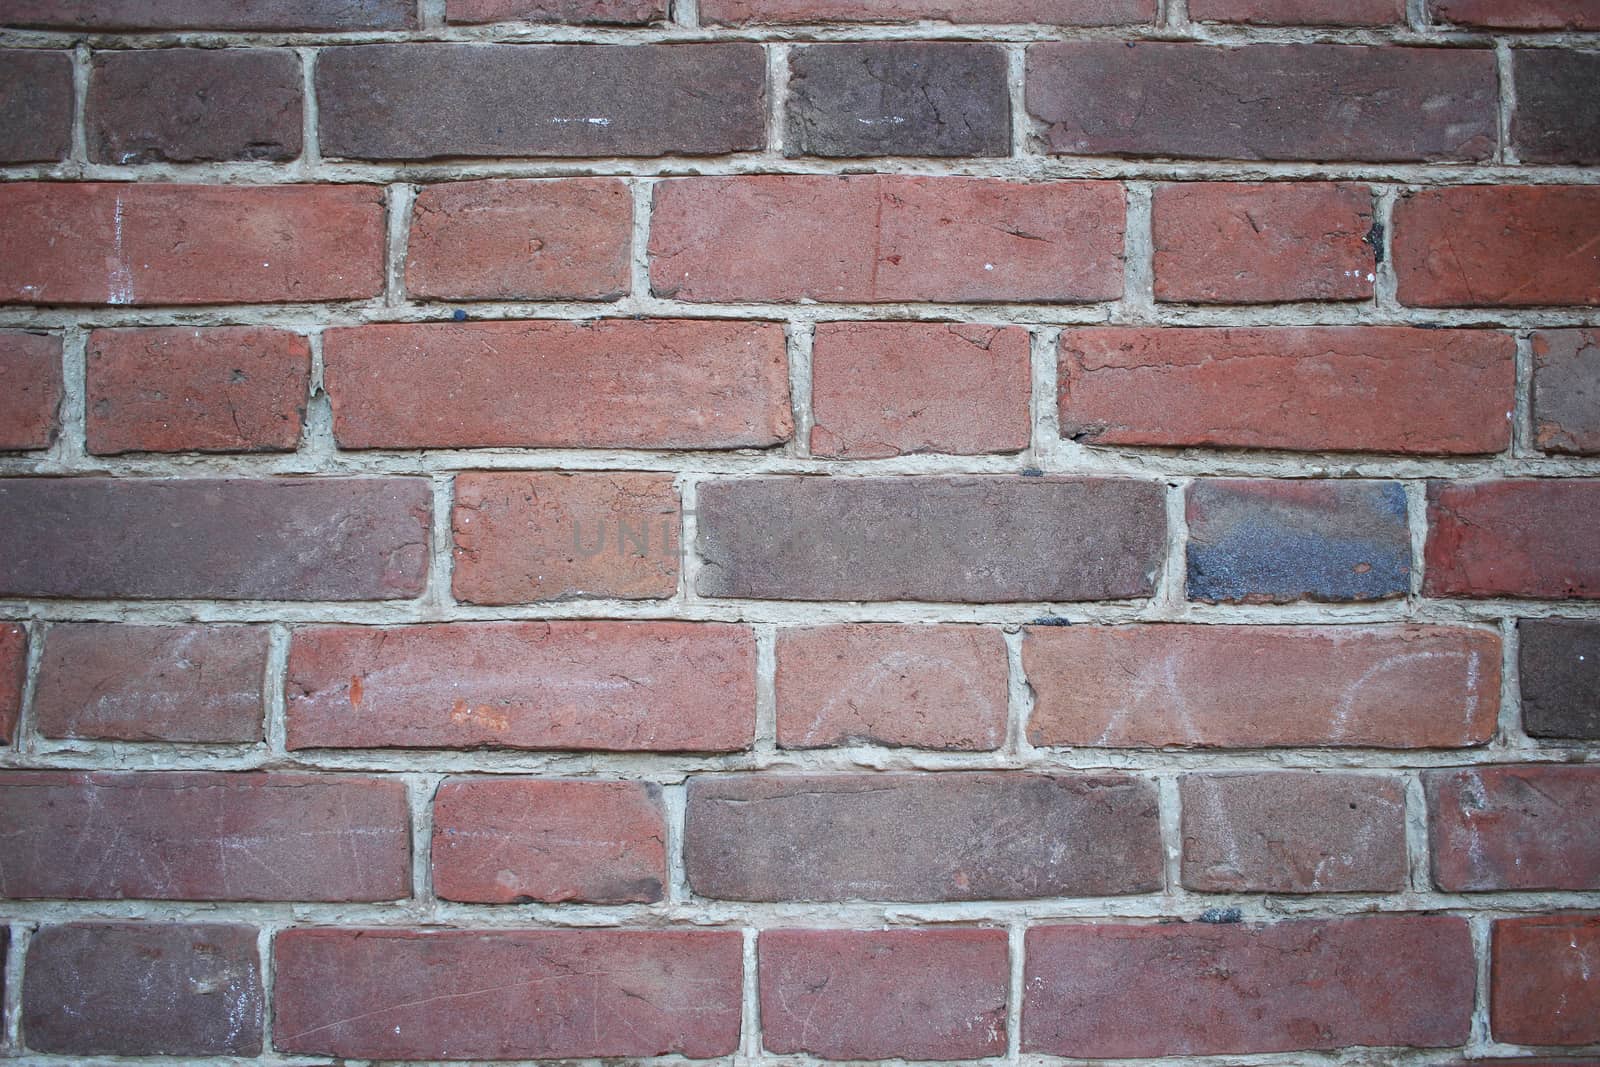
x: 557, y: 239
x: 143, y: 989
x: 1566, y: 391
x: 1312, y: 389
x: 13, y: 676
x: 210, y: 15
x: 1519, y: 14
x: 30, y: 364
x: 1515, y: 827
x: 120, y: 682
x: 515, y: 840
x: 1048, y: 12
x: 1293, y: 832
x: 36, y: 100
x: 616, y: 383
x: 188, y: 389
x: 1123, y: 991
x: 116, y: 243
x: 1232, y: 243
x: 1262, y: 686
x: 1301, y: 12
x: 1528, y: 538
x: 624, y: 12
x: 529, y: 536
x: 1498, y: 246
x: 182, y: 835
x: 928, y: 994
x: 942, y: 687
x: 883, y: 389
x: 241, y: 539
x: 621, y: 686
x: 507, y: 994
x: 1543, y: 980
x: 885, y: 238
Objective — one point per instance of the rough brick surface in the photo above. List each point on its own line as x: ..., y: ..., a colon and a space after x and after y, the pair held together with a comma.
x: 189, y: 835
x: 921, y: 837
x: 1559, y: 661
x: 36, y: 98
x: 1513, y: 538
x: 13, y: 676
x: 1510, y: 827
x: 625, y: 12
x: 624, y: 686
x: 1312, y: 389
x: 507, y: 994
x: 1198, y: 990
x: 884, y: 994
x: 1301, y: 12
x: 210, y: 15
x: 1519, y: 14
x: 931, y: 539
x: 30, y: 363
x: 511, y: 840
x: 199, y: 990
x: 121, y: 682
x: 1262, y: 686
x: 1557, y: 118
x: 1543, y: 989
x: 1049, y: 12
x: 1566, y: 391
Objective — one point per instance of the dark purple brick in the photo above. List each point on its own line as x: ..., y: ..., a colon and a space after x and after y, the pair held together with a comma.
x: 1560, y: 668
x: 210, y: 14
x: 35, y: 105
x: 1558, y: 108
x: 1566, y: 391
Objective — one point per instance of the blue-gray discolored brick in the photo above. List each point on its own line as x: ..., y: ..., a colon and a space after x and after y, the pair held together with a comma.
x: 1559, y: 663
x: 1558, y: 106
x: 210, y: 14
x: 35, y: 105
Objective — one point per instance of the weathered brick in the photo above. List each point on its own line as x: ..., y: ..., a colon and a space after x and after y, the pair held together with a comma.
x: 1275, y: 542
x: 889, y: 388
x: 1557, y: 119
x: 515, y: 840
x: 433, y: 101
x: 1262, y: 686
x: 622, y: 12
x: 1519, y: 14
x: 143, y: 989
x: 182, y: 835
x: 137, y: 243
x: 941, y: 687
x: 196, y: 389
x: 13, y: 676
x: 1566, y: 391
x: 1048, y: 12
x: 1314, y: 102
x: 187, y: 105
x: 120, y: 682
x: 1542, y: 980
x: 1559, y: 664
x: 544, y: 535
x: 1293, y: 832
x: 898, y: 98
x: 1313, y: 389
x: 623, y: 686
x: 616, y: 383
x: 555, y: 239
x: 1235, y: 243
x: 210, y: 15
x: 223, y: 539
x: 1528, y: 538
x: 36, y: 97
x: 1531, y: 826
x: 921, y: 837
x: 507, y: 994
x: 929, y: 994
x: 886, y: 238
x: 1194, y: 989
x: 1498, y: 246
x: 1301, y: 12
x: 30, y: 364
x: 966, y: 539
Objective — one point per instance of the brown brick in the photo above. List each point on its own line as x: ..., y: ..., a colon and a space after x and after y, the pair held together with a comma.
x: 1527, y: 538
x: 120, y: 682
x: 616, y: 383
x: 507, y: 994
x: 143, y: 989
x: 885, y: 238
x: 210, y: 15
x: 622, y: 686
x: 1515, y: 827
x: 190, y: 835
x: 883, y: 389
x: 1566, y: 391
x: 529, y: 536
x: 1120, y: 991
x: 515, y: 840
x: 1498, y: 246
x: 13, y: 677
x: 1301, y: 12
x: 196, y: 389
x: 36, y: 98
x: 30, y: 364
x: 942, y: 687
x: 623, y: 12
x: 1293, y: 832
x: 1312, y: 389
x: 921, y: 837
x: 215, y: 539
x: 1557, y: 119
x: 927, y: 994
x: 1559, y: 666
x: 1048, y: 12
x: 434, y: 101
x: 121, y: 243
x: 1314, y: 102
x: 1542, y: 980
x: 1519, y: 14
x: 965, y: 539
x: 1262, y: 686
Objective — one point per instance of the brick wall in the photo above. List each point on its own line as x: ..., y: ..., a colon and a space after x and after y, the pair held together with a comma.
x: 777, y: 530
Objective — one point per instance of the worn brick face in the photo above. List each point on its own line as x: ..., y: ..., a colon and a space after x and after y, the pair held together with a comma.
x: 1519, y: 14
x: 13, y: 676
x: 209, y: 15
x: 36, y: 98
x: 1301, y: 12
x: 1559, y: 662
x: 1511, y: 827
x: 30, y: 363
x: 622, y: 12
x: 1543, y: 989
x: 1048, y: 12
x: 1521, y: 538
x: 1557, y: 118
x: 1566, y: 391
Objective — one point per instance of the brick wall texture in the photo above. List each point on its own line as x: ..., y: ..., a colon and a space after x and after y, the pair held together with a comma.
x: 777, y: 531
